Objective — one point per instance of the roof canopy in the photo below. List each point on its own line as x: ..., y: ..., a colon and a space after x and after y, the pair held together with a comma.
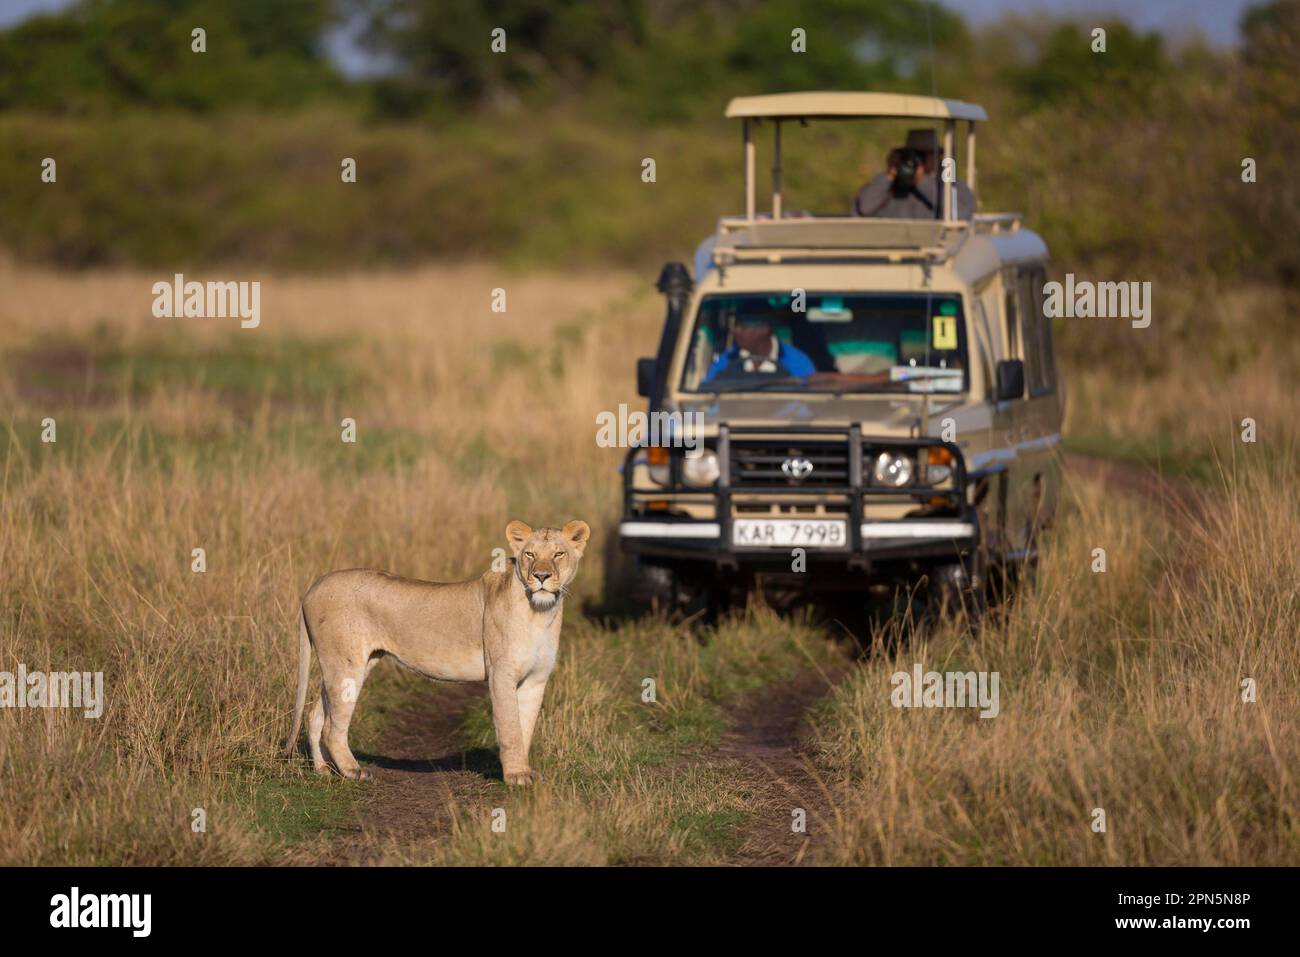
x: 843, y: 105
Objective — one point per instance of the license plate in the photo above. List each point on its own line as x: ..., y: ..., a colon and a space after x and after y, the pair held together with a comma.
x: 790, y: 532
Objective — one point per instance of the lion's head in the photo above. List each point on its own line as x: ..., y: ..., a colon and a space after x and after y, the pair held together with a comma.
x: 546, y: 560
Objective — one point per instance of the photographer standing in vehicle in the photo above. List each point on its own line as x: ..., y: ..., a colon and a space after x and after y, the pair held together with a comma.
x: 910, y: 189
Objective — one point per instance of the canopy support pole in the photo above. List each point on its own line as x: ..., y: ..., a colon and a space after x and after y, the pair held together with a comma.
x: 949, y: 128
x: 970, y: 156
x: 776, y: 171
x: 749, y: 172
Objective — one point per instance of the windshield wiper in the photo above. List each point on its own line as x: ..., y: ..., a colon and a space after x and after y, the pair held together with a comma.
x: 760, y: 385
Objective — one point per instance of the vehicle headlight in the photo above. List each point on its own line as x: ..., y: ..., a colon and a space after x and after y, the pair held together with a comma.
x: 701, y: 470
x: 893, y: 470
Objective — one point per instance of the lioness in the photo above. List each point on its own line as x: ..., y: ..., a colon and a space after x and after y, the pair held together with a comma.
x: 503, y: 628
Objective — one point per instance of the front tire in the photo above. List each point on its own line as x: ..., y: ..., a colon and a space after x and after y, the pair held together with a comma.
x: 958, y: 588
x: 664, y: 591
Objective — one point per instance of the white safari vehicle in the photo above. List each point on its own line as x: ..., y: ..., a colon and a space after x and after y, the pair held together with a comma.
x: 848, y: 402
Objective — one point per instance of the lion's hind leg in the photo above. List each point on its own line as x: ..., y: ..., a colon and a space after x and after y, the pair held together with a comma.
x: 315, y: 728
x: 340, y: 688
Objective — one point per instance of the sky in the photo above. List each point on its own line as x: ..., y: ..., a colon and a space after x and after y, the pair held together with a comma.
x: 1216, y: 20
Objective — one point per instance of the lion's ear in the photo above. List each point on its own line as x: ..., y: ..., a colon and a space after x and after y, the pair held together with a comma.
x: 516, y: 534
x: 577, y: 533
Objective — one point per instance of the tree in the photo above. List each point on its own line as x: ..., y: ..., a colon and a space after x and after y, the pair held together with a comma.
x: 110, y: 53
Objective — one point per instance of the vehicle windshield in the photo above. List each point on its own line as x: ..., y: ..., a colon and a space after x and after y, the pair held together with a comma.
x: 828, y: 342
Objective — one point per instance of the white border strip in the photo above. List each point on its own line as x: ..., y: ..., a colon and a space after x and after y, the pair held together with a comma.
x: 981, y: 459
x: 670, y: 530
x: 908, y: 528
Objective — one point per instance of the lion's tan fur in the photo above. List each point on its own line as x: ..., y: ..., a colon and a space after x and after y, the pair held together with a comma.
x: 503, y: 628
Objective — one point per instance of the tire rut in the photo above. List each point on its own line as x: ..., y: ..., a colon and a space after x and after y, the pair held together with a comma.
x: 1179, y: 497
x: 422, y: 772
x: 764, y: 752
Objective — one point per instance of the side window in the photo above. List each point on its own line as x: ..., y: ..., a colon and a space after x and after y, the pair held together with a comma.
x: 1013, y: 310
x: 984, y: 337
x: 1029, y: 332
x: 1036, y: 334
x: 1043, y: 382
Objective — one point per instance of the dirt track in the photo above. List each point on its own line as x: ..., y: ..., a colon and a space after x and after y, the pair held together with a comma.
x: 765, y: 753
x: 1176, y: 495
x: 421, y: 770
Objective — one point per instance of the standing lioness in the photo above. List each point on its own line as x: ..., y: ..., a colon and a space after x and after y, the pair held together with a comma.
x: 503, y: 628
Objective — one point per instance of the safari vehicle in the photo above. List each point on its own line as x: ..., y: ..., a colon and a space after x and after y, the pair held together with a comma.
x: 916, y: 445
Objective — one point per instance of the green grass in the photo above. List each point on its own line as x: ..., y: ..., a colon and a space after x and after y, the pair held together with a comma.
x: 301, y: 808
x: 1162, y: 453
x: 709, y: 832
x: 236, y: 368
x: 128, y: 443
x: 89, y: 387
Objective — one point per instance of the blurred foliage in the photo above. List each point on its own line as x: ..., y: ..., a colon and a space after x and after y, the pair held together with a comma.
x: 1127, y: 160
x: 1063, y: 65
x: 1270, y: 100
x: 446, y: 49
x: 104, y: 54
x: 654, y: 63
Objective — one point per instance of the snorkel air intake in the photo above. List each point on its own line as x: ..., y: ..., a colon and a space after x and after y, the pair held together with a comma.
x: 676, y: 285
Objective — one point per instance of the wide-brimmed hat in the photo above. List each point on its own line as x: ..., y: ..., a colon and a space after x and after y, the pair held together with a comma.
x: 923, y: 141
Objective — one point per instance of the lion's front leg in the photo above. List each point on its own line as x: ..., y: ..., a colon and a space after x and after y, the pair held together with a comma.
x: 529, y: 696
x: 510, y: 736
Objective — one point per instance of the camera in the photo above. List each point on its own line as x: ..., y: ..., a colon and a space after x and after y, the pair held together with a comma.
x: 906, y: 163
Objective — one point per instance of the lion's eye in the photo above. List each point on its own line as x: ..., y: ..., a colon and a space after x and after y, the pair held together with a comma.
x: 529, y: 555
x: 559, y: 555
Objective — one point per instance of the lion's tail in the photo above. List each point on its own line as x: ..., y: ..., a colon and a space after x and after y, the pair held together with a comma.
x: 304, y: 670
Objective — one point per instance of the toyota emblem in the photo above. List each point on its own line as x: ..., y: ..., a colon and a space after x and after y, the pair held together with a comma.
x: 797, y: 469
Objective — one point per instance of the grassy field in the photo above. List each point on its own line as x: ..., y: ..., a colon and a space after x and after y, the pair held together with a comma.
x: 1120, y: 691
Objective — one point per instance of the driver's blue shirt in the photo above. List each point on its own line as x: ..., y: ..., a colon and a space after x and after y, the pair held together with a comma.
x: 789, y: 358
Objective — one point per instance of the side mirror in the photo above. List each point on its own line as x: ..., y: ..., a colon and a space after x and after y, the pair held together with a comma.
x: 645, y: 377
x: 1011, y: 380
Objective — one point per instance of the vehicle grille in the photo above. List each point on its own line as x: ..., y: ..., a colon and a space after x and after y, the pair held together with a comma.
x: 758, y: 463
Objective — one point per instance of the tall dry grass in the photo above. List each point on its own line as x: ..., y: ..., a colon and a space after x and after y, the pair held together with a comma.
x: 1120, y: 691
x: 170, y: 437
x: 1174, y: 395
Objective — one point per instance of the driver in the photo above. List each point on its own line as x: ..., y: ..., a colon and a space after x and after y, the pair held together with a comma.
x: 757, y: 350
